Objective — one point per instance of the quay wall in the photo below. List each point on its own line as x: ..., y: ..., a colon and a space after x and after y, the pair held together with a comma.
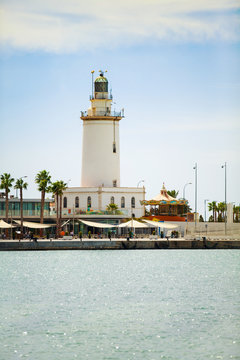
x: 105, y: 244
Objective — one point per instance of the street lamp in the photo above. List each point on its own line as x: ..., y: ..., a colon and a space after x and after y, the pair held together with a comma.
x: 184, y: 189
x: 140, y: 182
x: 195, y: 168
x: 92, y: 72
x: 22, y: 177
x: 205, y: 214
x: 225, y: 217
x: 68, y: 181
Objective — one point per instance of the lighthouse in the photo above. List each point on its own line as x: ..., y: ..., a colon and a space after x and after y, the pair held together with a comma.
x: 100, y: 178
x: 100, y: 138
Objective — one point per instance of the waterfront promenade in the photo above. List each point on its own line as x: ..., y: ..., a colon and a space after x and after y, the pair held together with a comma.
x: 120, y: 244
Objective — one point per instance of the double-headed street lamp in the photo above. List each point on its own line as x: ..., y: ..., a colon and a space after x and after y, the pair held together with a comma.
x: 225, y: 217
x: 140, y: 182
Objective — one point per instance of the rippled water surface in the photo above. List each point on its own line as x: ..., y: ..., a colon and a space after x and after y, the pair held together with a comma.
x: 171, y: 304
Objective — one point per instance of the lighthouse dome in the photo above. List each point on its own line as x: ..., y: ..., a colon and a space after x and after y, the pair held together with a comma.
x: 101, y: 83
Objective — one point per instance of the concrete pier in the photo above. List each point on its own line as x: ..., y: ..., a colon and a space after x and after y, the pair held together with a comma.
x: 119, y: 244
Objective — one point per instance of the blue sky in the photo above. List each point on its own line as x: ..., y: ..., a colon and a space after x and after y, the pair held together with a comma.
x: 172, y: 65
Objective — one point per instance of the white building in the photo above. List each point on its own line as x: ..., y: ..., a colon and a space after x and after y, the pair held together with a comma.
x: 100, y: 182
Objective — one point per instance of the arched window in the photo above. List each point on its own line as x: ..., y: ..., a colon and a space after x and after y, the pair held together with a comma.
x: 89, y: 202
x: 123, y: 202
x: 65, y: 202
x: 133, y: 202
x: 112, y: 200
x: 76, y: 202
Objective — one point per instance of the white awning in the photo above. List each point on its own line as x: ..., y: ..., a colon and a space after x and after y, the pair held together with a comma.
x: 133, y: 223
x: 33, y: 225
x: 5, y: 225
x: 162, y: 225
x: 98, y: 225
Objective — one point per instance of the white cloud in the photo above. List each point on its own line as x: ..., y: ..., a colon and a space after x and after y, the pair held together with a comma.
x: 65, y: 26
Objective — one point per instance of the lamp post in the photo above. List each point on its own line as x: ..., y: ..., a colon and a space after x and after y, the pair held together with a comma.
x: 92, y: 72
x: 22, y: 177
x: 140, y: 182
x: 184, y: 189
x: 205, y: 213
x: 195, y: 168
x: 225, y: 217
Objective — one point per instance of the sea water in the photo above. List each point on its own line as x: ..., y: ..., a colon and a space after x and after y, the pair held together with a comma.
x: 142, y: 304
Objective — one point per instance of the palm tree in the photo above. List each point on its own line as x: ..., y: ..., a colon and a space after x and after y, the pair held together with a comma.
x: 173, y: 193
x: 62, y: 187
x: 55, y: 189
x: 20, y: 184
x: 6, y: 184
x: 112, y: 208
x: 221, y: 208
x: 43, y: 179
x: 236, y: 211
x: 212, y: 207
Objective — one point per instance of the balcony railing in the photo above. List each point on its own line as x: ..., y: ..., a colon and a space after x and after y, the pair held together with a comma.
x: 103, y: 113
x: 26, y: 213
x: 76, y: 212
x: 92, y: 97
x: 65, y: 213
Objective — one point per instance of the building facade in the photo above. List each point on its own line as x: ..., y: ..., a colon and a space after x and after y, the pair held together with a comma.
x: 94, y: 201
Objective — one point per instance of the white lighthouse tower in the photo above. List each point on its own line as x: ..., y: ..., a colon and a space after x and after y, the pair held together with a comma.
x: 100, y: 144
x: 100, y: 182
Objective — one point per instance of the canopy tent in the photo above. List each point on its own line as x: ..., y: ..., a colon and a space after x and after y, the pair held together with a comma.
x: 133, y: 224
x: 5, y: 225
x: 161, y: 224
x: 33, y: 225
x: 65, y: 223
x: 98, y: 225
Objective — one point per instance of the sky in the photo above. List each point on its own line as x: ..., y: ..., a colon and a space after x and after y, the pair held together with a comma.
x: 173, y: 65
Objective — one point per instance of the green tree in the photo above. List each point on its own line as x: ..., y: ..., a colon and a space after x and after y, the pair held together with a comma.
x: 62, y: 187
x: 211, y: 218
x: 213, y: 207
x: 6, y: 184
x: 56, y: 191
x: 113, y: 208
x: 236, y: 213
x: 20, y: 184
x: 43, y: 179
x: 173, y: 193
x: 221, y: 209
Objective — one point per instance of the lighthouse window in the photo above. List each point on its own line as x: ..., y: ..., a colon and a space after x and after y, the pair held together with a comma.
x: 89, y: 202
x: 112, y: 200
x: 77, y: 202
x: 133, y: 202
x: 123, y: 202
x: 65, y: 202
x: 114, y: 148
x: 114, y: 183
